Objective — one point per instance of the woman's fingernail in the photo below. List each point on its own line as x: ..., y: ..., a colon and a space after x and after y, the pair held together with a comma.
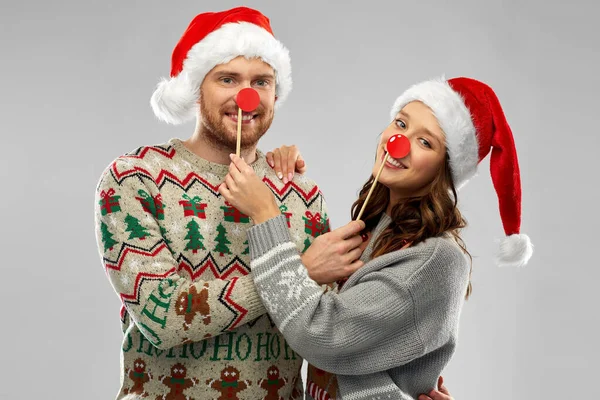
x: 280, y: 175
x: 271, y: 163
x: 290, y: 176
x: 285, y: 180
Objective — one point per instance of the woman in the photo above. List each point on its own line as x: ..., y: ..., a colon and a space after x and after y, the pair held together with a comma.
x: 392, y: 326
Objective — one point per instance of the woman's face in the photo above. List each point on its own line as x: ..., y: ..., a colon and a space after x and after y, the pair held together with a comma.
x: 411, y: 175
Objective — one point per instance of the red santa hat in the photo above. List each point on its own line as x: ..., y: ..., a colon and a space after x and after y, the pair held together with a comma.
x: 473, y: 121
x: 211, y: 39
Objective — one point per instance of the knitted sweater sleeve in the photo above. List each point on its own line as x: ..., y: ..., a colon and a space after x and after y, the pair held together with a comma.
x: 168, y: 308
x: 381, y: 322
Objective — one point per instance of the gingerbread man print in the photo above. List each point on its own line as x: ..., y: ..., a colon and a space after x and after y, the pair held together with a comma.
x: 191, y: 303
x: 178, y: 383
x: 272, y: 384
x: 229, y: 385
x: 139, y: 376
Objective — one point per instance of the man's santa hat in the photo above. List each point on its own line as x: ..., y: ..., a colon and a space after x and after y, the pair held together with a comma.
x: 216, y: 38
x: 472, y: 119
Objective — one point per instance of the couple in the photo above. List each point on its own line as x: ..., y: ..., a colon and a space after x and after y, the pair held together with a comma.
x: 203, y: 248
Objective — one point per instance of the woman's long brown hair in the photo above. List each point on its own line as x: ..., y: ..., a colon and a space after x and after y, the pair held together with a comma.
x: 414, y: 219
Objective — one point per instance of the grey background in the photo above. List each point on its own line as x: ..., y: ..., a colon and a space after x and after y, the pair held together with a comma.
x: 76, y: 79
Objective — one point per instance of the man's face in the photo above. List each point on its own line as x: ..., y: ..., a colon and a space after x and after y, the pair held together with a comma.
x: 219, y: 111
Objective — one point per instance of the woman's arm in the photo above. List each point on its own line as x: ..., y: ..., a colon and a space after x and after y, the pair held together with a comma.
x: 331, y: 256
x: 369, y: 327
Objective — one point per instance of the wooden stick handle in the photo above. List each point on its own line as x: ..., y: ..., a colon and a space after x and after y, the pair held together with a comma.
x: 239, y: 133
x: 372, y: 187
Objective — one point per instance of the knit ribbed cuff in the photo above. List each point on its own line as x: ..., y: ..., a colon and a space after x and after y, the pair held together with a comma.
x: 263, y: 237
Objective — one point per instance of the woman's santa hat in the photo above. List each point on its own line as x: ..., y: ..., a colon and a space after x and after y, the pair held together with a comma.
x: 472, y: 119
x: 216, y: 38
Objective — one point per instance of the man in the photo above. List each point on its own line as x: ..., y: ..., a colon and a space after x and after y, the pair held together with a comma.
x: 175, y: 253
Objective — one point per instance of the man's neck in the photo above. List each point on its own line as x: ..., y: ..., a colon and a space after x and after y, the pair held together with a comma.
x: 206, y: 149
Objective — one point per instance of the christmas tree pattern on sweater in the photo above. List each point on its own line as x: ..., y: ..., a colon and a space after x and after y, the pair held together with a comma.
x: 177, y: 256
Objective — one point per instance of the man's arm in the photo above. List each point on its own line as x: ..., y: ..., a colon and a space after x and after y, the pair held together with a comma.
x: 168, y: 308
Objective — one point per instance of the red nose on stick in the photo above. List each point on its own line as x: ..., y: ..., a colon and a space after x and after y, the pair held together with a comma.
x: 398, y: 146
x: 247, y: 99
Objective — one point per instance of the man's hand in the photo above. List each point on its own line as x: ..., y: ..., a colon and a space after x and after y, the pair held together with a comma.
x: 335, y: 255
x: 285, y: 161
x: 246, y: 192
x: 442, y: 394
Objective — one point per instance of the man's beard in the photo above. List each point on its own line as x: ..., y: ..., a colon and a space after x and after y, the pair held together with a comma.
x: 225, y: 137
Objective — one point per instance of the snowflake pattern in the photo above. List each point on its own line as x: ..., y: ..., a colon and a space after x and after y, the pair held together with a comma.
x: 206, y: 227
x: 128, y: 162
x: 134, y: 265
x: 297, y: 237
x: 271, y: 301
x: 236, y: 230
x: 176, y: 168
x: 175, y: 228
x: 295, y: 282
x: 187, y: 165
x: 125, y: 280
x: 112, y: 220
x: 211, y: 177
x: 157, y: 160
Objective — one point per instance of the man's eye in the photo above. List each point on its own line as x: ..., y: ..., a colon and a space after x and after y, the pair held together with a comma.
x: 400, y: 124
x: 226, y: 80
x: 262, y: 82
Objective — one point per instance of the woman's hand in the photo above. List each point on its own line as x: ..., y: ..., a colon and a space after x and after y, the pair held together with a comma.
x: 335, y: 255
x: 285, y: 161
x: 246, y: 192
x: 442, y: 394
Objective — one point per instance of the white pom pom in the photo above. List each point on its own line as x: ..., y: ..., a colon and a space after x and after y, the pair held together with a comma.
x: 174, y: 100
x: 515, y: 251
